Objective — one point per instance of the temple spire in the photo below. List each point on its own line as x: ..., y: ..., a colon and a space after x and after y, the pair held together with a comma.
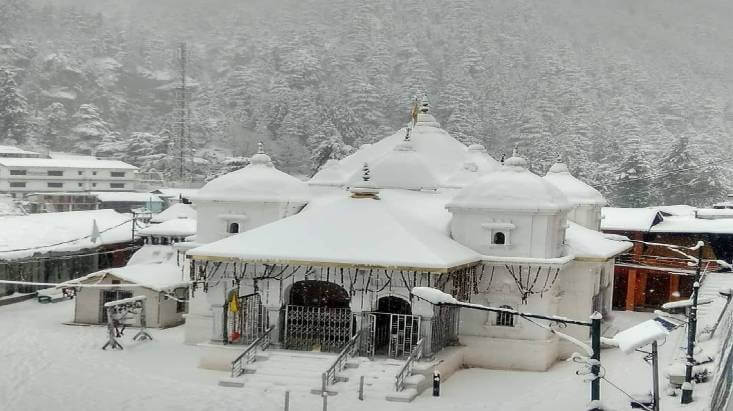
x: 260, y: 148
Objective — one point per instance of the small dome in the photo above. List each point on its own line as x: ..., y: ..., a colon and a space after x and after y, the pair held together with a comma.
x: 511, y: 187
x: 477, y: 154
x: 403, y: 168
x: 330, y: 174
x: 258, y: 181
x: 577, y: 192
x: 466, y: 174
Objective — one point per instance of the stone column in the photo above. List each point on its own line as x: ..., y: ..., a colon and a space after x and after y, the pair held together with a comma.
x: 273, y: 318
x: 217, y: 330
x: 426, y: 333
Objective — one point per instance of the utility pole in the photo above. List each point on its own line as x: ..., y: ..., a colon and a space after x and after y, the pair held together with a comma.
x: 134, y: 220
x: 692, y: 333
x: 595, y: 368
x: 655, y: 374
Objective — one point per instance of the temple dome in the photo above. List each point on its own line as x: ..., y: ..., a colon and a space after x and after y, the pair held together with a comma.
x: 511, y: 187
x: 330, y: 174
x: 477, y: 154
x: 258, y: 181
x: 576, y: 191
x: 466, y: 174
x: 402, y: 168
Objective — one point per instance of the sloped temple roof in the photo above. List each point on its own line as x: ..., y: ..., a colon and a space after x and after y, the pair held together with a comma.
x: 345, y: 232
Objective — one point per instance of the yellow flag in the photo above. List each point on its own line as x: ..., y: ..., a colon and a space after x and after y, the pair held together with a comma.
x: 233, y: 304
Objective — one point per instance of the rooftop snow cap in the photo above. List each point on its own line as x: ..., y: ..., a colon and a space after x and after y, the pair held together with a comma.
x: 476, y: 153
x: 330, y: 174
x: 512, y: 188
x: 577, y: 192
x: 258, y: 181
x: 402, y: 168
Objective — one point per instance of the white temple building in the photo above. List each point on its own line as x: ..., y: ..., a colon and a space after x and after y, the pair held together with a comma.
x: 323, y: 260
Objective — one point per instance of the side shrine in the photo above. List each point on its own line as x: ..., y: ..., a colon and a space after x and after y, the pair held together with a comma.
x: 322, y: 261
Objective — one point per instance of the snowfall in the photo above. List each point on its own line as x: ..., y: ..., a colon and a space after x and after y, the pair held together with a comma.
x: 49, y: 365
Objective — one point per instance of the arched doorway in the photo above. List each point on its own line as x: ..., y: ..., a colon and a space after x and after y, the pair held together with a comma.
x: 318, y: 317
x: 395, y: 329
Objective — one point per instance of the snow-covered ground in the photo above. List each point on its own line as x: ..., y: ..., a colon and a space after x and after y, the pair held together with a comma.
x: 48, y: 365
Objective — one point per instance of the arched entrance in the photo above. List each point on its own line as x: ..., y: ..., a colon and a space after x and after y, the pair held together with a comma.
x: 318, y: 317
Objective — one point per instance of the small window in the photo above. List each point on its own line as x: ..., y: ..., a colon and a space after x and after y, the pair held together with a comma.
x: 18, y: 172
x: 81, y: 184
x: 55, y: 173
x: 499, y: 238
x: 233, y: 228
x: 94, y: 173
x: 505, y: 319
x: 117, y: 174
x: 17, y: 184
x: 94, y: 184
x: 116, y: 185
x: 81, y: 172
x: 55, y: 185
x: 115, y: 281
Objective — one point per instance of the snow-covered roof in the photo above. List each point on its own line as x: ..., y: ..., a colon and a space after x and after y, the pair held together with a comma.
x: 153, y: 254
x: 690, y: 224
x: 85, y: 163
x: 577, y: 192
x: 511, y: 187
x: 629, y: 219
x: 177, y: 210
x: 465, y: 175
x: 126, y: 196
x: 157, y: 277
x: 441, y: 152
x: 714, y: 213
x: 477, y: 154
x: 23, y: 236
x: 258, y: 181
x: 177, y: 227
x: 345, y: 231
x: 640, y: 335
x: 12, y: 150
x: 175, y: 192
x: 330, y: 174
x: 590, y: 244
x: 401, y: 168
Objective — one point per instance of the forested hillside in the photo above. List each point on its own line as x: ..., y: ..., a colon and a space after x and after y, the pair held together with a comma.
x: 623, y: 90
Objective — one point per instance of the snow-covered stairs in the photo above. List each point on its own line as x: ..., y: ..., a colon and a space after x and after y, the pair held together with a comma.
x: 281, y: 370
x: 379, y: 380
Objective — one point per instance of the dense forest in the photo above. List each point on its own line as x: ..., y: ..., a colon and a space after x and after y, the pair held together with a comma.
x: 636, y: 96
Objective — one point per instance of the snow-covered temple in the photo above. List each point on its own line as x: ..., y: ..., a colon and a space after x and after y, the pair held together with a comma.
x: 323, y: 260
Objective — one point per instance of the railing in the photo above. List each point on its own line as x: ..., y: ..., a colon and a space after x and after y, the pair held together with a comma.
x: 249, y: 353
x: 329, y: 377
x: 406, y: 369
x: 723, y: 381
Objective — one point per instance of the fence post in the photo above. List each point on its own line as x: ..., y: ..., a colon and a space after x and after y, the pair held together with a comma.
x: 361, y: 388
x: 287, y: 400
x: 324, y: 393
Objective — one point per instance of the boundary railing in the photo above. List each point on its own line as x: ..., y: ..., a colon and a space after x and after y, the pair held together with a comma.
x: 351, y: 347
x: 248, y: 356
x: 406, y: 369
x: 723, y: 382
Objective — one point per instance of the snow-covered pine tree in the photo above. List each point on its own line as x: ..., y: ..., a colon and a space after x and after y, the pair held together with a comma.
x: 55, y: 127
x: 13, y: 109
x: 89, y: 129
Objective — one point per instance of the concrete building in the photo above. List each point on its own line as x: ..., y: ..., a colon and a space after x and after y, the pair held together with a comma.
x: 22, y: 176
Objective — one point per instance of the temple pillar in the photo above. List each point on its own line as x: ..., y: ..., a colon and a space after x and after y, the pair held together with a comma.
x: 674, y: 287
x: 631, y: 289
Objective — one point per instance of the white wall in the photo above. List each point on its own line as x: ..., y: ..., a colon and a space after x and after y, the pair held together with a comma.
x: 37, y: 179
x: 214, y: 217
x: 588, y: 216
x: 533, y: 235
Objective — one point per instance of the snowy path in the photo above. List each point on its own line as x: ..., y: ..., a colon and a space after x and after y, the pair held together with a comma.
x: 47, y: 365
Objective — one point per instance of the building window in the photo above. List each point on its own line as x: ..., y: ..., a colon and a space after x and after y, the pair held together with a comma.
x: 17, y: 184
x: 505, y: 319
x: 233, y: 228
x: 55, y: 173
x: 499, y: 238
x: 116, y: 185
x: 18, y: 172
x: 180, y: 306
x: 94, y: 173
x: 81, y: 184
x: 117, y: 174
x: 81, y: 172
x: 55, y: 185
x: 94, y: 184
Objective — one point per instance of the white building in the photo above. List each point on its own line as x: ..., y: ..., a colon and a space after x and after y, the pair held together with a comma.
x: 20, y: 176
x: 16, y: 152
x: 425, y: 210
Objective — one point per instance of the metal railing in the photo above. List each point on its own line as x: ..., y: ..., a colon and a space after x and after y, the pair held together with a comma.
x: 723, y: 382
x: 249, y: 353
x: 329, y: 377
x: 406, y: 369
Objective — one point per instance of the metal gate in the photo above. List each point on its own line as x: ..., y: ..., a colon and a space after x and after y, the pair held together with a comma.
x: 404, y: 334
x: 252, y: 319
x: 368, y: 335
x: 316, y: 328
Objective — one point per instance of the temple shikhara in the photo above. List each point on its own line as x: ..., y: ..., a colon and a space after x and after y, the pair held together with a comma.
x: 315, y: 263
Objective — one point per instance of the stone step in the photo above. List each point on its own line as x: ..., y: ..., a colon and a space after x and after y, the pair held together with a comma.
x: 406, y: 395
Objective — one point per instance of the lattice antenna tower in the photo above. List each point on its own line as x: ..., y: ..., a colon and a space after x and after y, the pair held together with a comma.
x: 182, y: 148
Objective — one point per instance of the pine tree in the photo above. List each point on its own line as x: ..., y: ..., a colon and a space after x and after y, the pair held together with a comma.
x: 13, y: 109
x: 55, y: 126
x: 89, y: 129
